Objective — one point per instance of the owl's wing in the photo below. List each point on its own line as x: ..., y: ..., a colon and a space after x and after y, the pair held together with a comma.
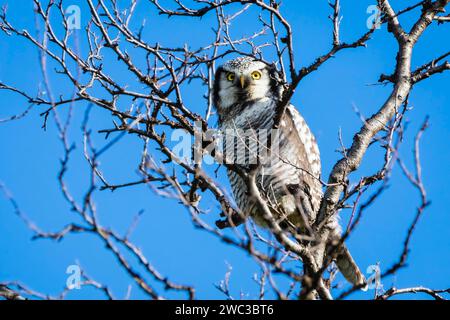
x: 308, y: 140
x: 302, y: 174
x: 344, y: 260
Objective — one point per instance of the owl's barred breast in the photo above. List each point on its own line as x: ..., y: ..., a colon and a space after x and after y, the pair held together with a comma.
x: 289, y: 171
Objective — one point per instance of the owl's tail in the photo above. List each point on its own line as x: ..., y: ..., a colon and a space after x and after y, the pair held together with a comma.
x: 349, y: 268
x: 344, y: 260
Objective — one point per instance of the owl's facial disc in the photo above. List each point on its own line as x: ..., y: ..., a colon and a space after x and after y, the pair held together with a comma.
x: 244, y: 80
x: 243, y: 85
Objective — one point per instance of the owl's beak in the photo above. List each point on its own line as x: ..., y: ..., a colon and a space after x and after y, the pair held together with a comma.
x: 242, y: 81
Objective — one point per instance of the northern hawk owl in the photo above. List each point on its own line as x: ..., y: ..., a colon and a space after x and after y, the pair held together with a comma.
x: 246, y: 94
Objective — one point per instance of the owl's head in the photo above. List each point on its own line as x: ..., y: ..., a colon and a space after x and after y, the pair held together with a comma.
x: 245, y: 79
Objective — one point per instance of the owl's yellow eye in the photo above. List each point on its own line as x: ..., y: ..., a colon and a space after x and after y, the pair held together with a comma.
x: 256, y: 75
x: 230, y: 76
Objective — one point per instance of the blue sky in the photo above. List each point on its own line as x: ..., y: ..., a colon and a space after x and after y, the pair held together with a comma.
x: 30, y: 157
